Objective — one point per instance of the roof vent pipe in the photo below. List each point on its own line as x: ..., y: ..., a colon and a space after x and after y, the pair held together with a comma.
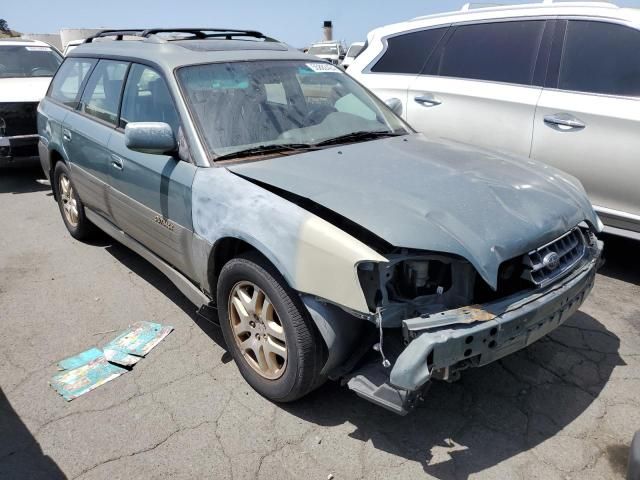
x: 327, y: 30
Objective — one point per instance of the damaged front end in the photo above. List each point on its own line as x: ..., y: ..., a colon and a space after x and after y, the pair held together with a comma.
x: 435, y: 316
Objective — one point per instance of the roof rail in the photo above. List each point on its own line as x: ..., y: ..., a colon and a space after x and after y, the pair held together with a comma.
x: 198, y: 33
x: 471, y: 5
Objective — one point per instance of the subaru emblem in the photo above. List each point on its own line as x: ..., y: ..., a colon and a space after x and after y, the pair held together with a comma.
x: 551, y: 261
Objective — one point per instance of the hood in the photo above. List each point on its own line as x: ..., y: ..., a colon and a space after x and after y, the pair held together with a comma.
x: 23, y: 89
x: 441, y: 196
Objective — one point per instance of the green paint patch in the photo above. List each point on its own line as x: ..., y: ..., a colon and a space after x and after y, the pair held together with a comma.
x: 94, y: 367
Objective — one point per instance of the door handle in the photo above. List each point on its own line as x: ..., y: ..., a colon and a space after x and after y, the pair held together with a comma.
x: 427, y: 100
x: 66, y: 135
x: 117, y: 162
x: 564, y: 120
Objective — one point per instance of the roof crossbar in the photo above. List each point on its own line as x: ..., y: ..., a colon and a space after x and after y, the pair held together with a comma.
x: 198, y: 33
x: 119, y: 34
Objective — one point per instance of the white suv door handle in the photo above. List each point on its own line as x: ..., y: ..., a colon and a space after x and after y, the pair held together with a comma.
x: 427, y: 100
x: 564, y: 120
x: 66, y: 135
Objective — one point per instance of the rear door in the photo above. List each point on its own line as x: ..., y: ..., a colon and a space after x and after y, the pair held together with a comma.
x: 86, y: 133
x: 404, y: 56
x: 151, y: 194
x: 479, y: 87
x: 588, y: 117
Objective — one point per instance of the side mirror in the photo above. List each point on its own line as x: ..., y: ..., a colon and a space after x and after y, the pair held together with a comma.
x: 150, y: 137
x: 395, y: 104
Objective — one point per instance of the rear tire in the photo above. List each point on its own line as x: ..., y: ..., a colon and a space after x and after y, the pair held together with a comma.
x: 70, y: 205
x: 268, y: 331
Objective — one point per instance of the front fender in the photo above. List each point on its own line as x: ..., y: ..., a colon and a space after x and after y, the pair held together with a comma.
x: 314, y: 256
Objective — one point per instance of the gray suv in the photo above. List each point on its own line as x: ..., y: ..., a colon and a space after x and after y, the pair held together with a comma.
x: 333, y: 241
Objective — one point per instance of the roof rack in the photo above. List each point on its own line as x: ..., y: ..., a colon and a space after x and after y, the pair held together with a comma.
x: 470, y: 6
x: 473, y: 5
x: 198, y: 33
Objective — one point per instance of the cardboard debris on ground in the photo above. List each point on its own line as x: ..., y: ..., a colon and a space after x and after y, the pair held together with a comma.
x: 134, y: 343
x: 94, y: 367
x: 80, y: 359
x: 84, y: 378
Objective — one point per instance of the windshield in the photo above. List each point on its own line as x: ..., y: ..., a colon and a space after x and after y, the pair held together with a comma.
x: 354, y: 50
x: 243, y: 105
x: 323, y: 50
x: 26, y: 61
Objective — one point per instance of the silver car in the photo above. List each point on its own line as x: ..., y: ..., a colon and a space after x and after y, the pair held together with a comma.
x: 333, y: 241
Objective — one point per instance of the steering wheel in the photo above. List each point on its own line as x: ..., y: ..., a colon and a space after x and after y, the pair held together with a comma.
x: 318, y: 114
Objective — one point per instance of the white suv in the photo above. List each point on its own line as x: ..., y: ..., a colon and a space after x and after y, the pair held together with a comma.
x: 556, y: 82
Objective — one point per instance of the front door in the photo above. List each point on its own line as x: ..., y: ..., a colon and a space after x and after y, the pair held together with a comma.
x: 588, y: 125
x: 150, y: 194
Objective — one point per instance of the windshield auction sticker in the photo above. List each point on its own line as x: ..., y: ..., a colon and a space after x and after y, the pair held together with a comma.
x: 38, y: 49
x: 323, y: 67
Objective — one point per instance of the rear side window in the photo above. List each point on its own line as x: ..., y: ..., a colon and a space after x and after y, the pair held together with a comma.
x: 147, y: 99
x: 101, y: 97
x: 409, y: 52
x: 498, y: 52
x: 601, y: 58
x: 66, y: 85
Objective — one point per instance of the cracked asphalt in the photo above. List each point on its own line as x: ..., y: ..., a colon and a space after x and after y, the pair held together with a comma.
x: 565, y: 408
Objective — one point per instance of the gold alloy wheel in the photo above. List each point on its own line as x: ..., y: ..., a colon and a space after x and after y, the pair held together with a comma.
x: 69, y: 203
x: 257, y: 330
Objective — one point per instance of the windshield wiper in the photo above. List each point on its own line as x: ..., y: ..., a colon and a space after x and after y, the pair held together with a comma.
x: 266, y: 149
x: 356, y: 136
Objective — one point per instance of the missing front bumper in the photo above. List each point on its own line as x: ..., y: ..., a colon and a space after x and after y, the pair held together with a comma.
x: 483, y: 335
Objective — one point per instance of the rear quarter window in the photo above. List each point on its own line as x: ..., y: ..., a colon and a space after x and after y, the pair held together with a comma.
x: 408, y: 52
x: 66, y: 85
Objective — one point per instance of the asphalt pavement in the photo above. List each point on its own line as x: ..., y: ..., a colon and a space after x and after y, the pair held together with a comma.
x: 565, y: 408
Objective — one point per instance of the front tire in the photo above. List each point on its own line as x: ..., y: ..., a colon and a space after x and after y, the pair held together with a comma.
x: 71, y: 207
x: 268, y: 331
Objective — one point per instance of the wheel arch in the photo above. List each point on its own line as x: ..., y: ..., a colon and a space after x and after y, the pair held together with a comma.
x: 229, y: 247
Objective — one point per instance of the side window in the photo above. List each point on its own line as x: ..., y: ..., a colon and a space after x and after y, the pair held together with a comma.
x: 147, y: 99
x: 600, y: 57
x: 101, y: 97
x: 409, y: 52
x: 499, y: 52
x: 65, y: 87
